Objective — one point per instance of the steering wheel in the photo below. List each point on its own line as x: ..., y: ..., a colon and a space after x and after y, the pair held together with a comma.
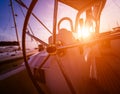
x: 51, y: 49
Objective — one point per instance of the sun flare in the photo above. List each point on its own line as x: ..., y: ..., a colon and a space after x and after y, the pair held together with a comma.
x: 84, y: 32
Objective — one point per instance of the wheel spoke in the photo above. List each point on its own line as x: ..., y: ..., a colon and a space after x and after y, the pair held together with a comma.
x: 55, y: 21
x: 44, y: 61
x: 68, y: 81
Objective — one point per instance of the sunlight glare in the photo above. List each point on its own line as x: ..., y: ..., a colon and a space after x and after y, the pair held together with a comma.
x: 83, y: 32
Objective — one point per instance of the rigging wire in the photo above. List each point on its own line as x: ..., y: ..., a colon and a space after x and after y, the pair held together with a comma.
x: 30, y: 29
x: 24, y: 16
x: 23, y: 5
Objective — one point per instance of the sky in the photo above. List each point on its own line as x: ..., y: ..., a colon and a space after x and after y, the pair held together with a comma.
x: 110, y: 15
x: 109, y: 18
x: 7, y: 30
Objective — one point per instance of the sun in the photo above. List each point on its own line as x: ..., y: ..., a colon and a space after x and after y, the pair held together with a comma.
x: 82, y: 33
x: 85, y: 32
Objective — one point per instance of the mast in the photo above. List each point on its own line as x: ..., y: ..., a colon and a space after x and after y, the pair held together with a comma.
x: 15, y: 24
